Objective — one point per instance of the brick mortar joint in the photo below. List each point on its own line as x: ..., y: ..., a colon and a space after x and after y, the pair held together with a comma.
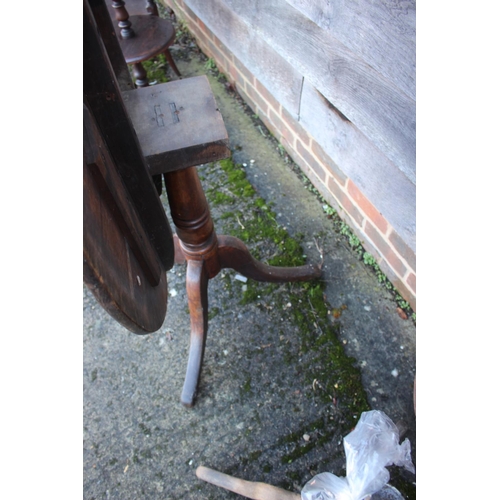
x: 396, y: 251
x: 384, y: 236
x: 283, y: 122
x: 408, y: 269
x: 383, y: 261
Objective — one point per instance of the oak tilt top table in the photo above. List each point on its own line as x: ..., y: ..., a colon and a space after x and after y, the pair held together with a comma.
x: 131, y: 137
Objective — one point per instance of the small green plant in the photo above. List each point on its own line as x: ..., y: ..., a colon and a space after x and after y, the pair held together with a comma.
x: 329, y: 210
x: 344, y: 229
x: 369, y: 260
x: 156, y: 69
x: 210, y: 65
x: 182, y: 29
x: 354, y: 241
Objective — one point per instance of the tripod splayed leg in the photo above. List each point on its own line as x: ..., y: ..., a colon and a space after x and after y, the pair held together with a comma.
x: 206, y: 254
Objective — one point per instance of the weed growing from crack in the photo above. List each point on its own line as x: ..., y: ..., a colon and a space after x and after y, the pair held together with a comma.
x: 210, y: 65
x: 156, y: 69
x: 356, y: 246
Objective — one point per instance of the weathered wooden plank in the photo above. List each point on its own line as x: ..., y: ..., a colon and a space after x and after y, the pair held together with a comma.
x: 376, y: 106
x: 127, y: 241
x: 101, y: 169
x: 390, y: 191
x: 277, y: 74
x: 381, y: 32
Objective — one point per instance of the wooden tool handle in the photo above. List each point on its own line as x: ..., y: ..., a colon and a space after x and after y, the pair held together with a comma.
x: 248, y: 489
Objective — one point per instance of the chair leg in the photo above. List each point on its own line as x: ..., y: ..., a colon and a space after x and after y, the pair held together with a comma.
x: 197, y: 292
x: 152, y: 8
x: 140, y: 75
x: 170, y: 60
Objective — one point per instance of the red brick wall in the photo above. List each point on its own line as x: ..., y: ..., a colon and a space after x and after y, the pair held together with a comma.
x: 394, y: 257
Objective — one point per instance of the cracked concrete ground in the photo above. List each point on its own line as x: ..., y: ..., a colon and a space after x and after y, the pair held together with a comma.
x: 140, y: 442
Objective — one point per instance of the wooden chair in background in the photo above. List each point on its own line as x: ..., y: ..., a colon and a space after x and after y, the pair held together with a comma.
x: 142, y: 34
x: 141, y: 7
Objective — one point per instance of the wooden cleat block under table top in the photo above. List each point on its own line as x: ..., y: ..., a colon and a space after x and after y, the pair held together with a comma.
x: 178, y: 124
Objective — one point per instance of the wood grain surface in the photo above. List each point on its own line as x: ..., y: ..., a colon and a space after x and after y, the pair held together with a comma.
x: 104, y: 98
x: 350, y: 68
x: 379, y: 179
x: 374, y: 103
x: 178, y: 124
x: 382, y: 33
x: 127, y: 241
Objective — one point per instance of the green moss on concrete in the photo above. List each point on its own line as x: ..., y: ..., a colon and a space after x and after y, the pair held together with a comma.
x: 144, y: 429
x: 325, y: 367
x: 267, y: 467
x: 334, y: 375
x: 246, y: 387
x: 222, y: 198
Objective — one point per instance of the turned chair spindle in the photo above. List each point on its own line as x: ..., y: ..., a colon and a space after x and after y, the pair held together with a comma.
x: 122, y: 16
x: 142, y: 35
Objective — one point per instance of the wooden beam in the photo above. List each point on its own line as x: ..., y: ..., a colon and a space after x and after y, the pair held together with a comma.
x: 273, y: 70
x: 379, y: 109
x: 381, y: 33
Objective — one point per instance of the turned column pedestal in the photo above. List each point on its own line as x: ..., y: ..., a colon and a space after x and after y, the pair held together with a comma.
x: 179, y: 126
x: 206, y: 254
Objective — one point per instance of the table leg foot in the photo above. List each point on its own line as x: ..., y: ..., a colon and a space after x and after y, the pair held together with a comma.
x: 234, y: 254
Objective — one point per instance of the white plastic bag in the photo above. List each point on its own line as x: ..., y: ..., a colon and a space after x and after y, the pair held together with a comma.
x: 369, y: 448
